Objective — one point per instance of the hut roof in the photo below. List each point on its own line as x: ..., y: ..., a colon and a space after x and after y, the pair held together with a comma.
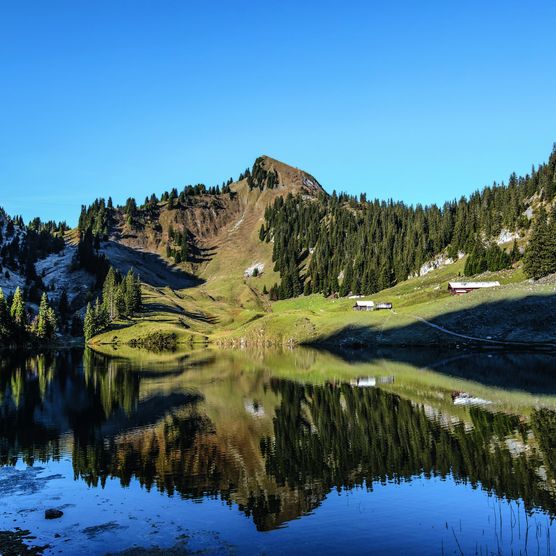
x: 472, y: 285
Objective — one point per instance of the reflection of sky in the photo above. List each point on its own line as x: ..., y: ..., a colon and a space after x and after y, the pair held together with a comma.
x: 420, y: 517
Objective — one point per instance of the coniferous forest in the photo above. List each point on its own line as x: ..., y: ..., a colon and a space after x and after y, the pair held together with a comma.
x: 341, y: 243
x: 17, y: 327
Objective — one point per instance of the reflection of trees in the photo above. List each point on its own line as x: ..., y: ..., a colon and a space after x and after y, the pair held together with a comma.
x: 113, y: 380
x: 184, y: 453
x: 44, y: 396
x: 24, y: 383
x: 323, y: 437
x: 343, y: 436
x: 543, y: 423
x: 326, y: 437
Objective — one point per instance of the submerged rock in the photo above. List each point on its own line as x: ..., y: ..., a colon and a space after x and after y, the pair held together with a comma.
x: 53, y: 513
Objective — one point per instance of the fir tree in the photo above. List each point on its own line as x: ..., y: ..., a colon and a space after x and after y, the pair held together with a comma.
x: 515, y: 254
x: 89, y: 329
x: 132, y: 293
x: 101, y: 318
x: 184, y: 247
x: 17, y: 310
x: 46, y: 322
x: 539, y: 258
x: 109, y: 293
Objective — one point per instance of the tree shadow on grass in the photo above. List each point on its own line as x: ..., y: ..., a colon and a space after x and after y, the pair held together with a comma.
x: 151, y: 267
x: 163, y: 308
x: 201, y: 317
x: 199, y: 254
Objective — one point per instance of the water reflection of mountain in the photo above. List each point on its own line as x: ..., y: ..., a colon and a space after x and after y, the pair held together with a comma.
x: 228, y: 427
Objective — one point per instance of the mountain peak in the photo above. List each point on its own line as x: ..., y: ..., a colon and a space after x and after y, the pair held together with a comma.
x: 270, y: 173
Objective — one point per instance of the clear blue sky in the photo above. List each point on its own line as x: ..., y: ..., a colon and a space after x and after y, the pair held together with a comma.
x: 420, y: 101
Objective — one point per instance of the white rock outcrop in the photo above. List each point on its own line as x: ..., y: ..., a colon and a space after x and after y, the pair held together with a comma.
x: 249, y: 271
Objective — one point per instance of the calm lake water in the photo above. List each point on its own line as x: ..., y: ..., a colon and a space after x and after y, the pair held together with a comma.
x: 280, y: 452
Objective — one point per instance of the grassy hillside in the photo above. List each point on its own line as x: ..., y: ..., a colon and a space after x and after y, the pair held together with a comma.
x: 510, y: 313
x: 220, y: 297
x: 424, y: 313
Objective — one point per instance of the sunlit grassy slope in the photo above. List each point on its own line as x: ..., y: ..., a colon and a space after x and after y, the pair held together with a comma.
x: 517, y: 311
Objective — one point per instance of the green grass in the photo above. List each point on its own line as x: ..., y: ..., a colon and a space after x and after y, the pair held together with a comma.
x: 314, y: 318
x: 202, y: 313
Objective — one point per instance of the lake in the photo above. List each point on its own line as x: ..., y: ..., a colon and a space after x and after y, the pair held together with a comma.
x: 280, y: 452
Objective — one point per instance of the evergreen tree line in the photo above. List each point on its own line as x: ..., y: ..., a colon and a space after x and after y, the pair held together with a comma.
x: 121, y: 298
x: 97, y: 218
x: 99, y: 215
x: 490, y: 257
x: 16, y: 325
x: 340, y: 243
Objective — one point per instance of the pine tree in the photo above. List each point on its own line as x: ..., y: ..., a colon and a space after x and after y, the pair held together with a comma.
x: 119, y: 301
x: 51, y: 323
x: 17, y: 310
x: 42, y: 329
x: 539, y: 258
x: 132, y: 302
x: 109, y: 293
x: 137, y: 298
x: 101, y: 318
x: 89, y: 323
x: 5, y: 319
x: 515, y: 254
x: 184, y: 247
x: 345, y: 288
